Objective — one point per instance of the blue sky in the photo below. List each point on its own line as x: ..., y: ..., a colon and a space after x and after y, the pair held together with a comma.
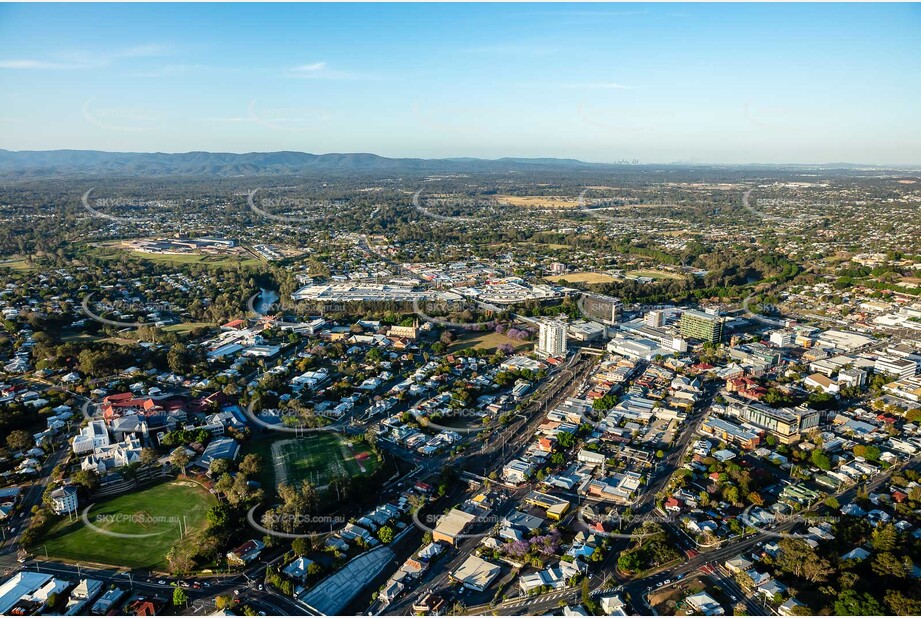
x: 600, y: 82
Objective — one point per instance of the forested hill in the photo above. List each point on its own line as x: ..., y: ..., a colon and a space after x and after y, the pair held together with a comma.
x: 94, y: 162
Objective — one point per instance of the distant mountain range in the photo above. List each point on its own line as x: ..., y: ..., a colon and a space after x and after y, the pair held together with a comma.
x: 33, y: 163
x: 64, y: 163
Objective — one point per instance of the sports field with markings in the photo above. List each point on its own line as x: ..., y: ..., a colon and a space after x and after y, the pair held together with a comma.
x: 319, y: 457
x: 135, y: 529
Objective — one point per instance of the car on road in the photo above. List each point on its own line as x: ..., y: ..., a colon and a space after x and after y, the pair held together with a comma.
x: 733, y: 597
x: 237, y: 592
x: 162, y: 582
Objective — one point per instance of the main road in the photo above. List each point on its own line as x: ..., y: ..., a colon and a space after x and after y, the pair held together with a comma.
x: 511, y: 441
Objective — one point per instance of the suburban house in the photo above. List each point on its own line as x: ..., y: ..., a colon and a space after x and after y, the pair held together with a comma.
x: 245, y: 553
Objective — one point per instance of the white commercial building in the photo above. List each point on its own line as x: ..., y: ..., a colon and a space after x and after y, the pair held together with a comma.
x: 844, y: 340
x: 93, y: 436
x: 585, y: 331
x: 852, y: 376
x: 782, y: 338
x: 552, y: 339
x: 359, y: 292
x: 907, y: 388
x: 899, y: 367
x: 655, y: 319
x: 637, y: 348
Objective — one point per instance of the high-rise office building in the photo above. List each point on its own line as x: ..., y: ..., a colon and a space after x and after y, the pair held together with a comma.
x: 702, y: 326
x: 605, y: 309
x: 655, y: 318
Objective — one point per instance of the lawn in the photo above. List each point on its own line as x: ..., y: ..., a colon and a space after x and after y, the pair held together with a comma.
x: 112, y: 250
x: 582, y: 277
x: 199, y: 258
x: 186, y: 327
x: 485, y: 340
x: 18, y: 265
x: 655, y: 274
x: 78, y: 336
x: 318, y: 457
x: 158, y: 510
x: 538, y: 201
x: 548, y: 245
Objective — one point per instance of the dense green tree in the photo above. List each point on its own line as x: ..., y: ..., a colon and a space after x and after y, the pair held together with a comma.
x: 179, y: 458
x: 88, y: 479
x: 852, y: 603
x: 385, y: 534
x: 19, y: 440
x: 180, y: 598
x: 820, y: 459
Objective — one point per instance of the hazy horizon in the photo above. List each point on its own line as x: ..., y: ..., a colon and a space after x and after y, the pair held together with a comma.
x: 496, y: 158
